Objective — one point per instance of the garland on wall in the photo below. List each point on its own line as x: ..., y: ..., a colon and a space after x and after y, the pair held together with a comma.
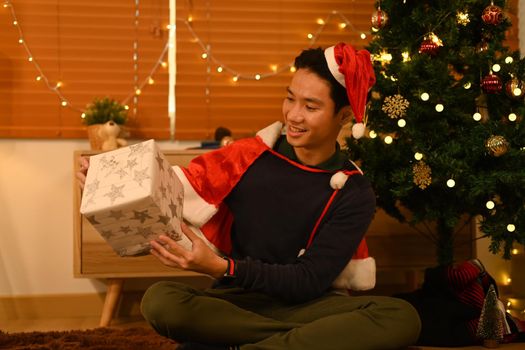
x: 207, y: 54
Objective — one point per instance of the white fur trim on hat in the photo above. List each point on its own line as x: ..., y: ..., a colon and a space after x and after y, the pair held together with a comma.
x: 270, y: 134
x: 333, y: 66
x: 196, y: 210
x: 358, y: 130
x: 359, y: 274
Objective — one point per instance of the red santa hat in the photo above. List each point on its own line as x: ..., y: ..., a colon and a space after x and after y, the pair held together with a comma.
x: 353, y: 70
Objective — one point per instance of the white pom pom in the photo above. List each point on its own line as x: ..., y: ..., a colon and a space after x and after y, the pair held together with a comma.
x: 338, y: 180
x: 358, y: 130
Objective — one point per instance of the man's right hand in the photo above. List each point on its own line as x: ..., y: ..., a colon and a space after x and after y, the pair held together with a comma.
x: 83, y: 163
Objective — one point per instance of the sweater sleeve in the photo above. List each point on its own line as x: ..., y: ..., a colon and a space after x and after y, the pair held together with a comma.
x: 313, y: 273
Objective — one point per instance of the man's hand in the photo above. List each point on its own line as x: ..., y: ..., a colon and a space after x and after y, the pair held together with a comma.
x: 83, y: 163
x: 200, y: 259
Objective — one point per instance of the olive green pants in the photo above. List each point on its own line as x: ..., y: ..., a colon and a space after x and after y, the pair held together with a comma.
x: 257, y: 321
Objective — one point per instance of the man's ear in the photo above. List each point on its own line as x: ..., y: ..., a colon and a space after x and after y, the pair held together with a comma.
x: 346, y: 115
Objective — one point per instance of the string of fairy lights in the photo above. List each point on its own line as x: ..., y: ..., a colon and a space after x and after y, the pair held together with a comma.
x: 207, y: 54
x: 138, y: 86
x: 56, y: 87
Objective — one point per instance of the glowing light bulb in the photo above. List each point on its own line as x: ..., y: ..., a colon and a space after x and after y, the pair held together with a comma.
x: 406, y: 56
x: 516, y: 91
x: 151, y: 81
x: 451, y: 183
x: 58, y: 85
x: 363, y: 36
x: 467, y: 85
x: 320, y: 21
x: 425, y: 96
x: 257, y: 77
x: 512, y: 117
x: 293, y: 69
x: 38, y: 78
x: 204, y: 55
x: 83, y: 115
x: 388, y: 140
x: 342, y: 25
x: 418, y: 156
x: 220, y: 69
x: 440, y: 107
x: 63, y: 103
x: 164, y: 64
x: 401, y: 123
x: 509, y: 59
x: 509, y: 280
x: 15, y: 23
x: 190, y: 18
x: 138, y: 92
x: 310, y: 36
x: 496, y: 67
x: 476, y: 116
x: 515, y: 251
x: 490, y: 205
x: 20, y: 41
x: 273, y: 67
x: 372, y: 134
x: 30, y: 59
x: 126, y: 107
x: 235, y: 78
x: 511, y: 228
x: 385, y: 56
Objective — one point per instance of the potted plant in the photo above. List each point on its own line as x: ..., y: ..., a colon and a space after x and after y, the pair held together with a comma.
x: 104, y: 118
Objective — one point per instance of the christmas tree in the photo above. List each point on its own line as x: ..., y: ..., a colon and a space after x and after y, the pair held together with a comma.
x: 445, y: 125
x: 490, y: 327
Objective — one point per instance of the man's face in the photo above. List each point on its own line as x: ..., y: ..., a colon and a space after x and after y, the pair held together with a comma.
x: 308, y: 112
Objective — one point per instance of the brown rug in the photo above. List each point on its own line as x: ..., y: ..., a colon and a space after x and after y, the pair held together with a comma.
x: 94, y: 339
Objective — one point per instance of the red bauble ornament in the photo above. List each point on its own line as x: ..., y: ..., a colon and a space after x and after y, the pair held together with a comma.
x: 491, y: 84
x: 428, y: 46
x: 492, y: 15
x: 379, y: 19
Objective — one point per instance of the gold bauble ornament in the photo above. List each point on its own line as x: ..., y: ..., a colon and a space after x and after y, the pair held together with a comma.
x: 514, y: 88
x: 497, y: 145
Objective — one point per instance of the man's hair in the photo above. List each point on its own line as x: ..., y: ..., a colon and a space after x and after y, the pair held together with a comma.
x: 314, y: 61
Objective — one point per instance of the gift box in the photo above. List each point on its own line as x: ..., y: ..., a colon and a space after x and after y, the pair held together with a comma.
x: 131, y: 195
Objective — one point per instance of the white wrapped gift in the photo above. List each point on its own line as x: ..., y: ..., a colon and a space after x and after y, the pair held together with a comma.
x: 132, y: 195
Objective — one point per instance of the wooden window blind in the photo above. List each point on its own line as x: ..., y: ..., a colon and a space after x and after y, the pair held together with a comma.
x: 88, y: 46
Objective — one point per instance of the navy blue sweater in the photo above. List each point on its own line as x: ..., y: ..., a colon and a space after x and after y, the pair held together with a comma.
x: 275, y: 207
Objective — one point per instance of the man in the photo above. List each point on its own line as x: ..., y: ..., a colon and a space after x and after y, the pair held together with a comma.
x: 290, y: 212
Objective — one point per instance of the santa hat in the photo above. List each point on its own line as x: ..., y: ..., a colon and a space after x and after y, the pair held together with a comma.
x: 353, y: 70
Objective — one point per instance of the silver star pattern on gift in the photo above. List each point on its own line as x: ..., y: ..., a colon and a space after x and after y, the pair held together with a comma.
x: 115, y: 192
x: 141, y: 175
x: 116, y: 214
x: 141, y: 215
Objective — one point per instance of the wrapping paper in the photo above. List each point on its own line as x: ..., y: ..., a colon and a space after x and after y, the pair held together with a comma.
x: 132, y: 195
